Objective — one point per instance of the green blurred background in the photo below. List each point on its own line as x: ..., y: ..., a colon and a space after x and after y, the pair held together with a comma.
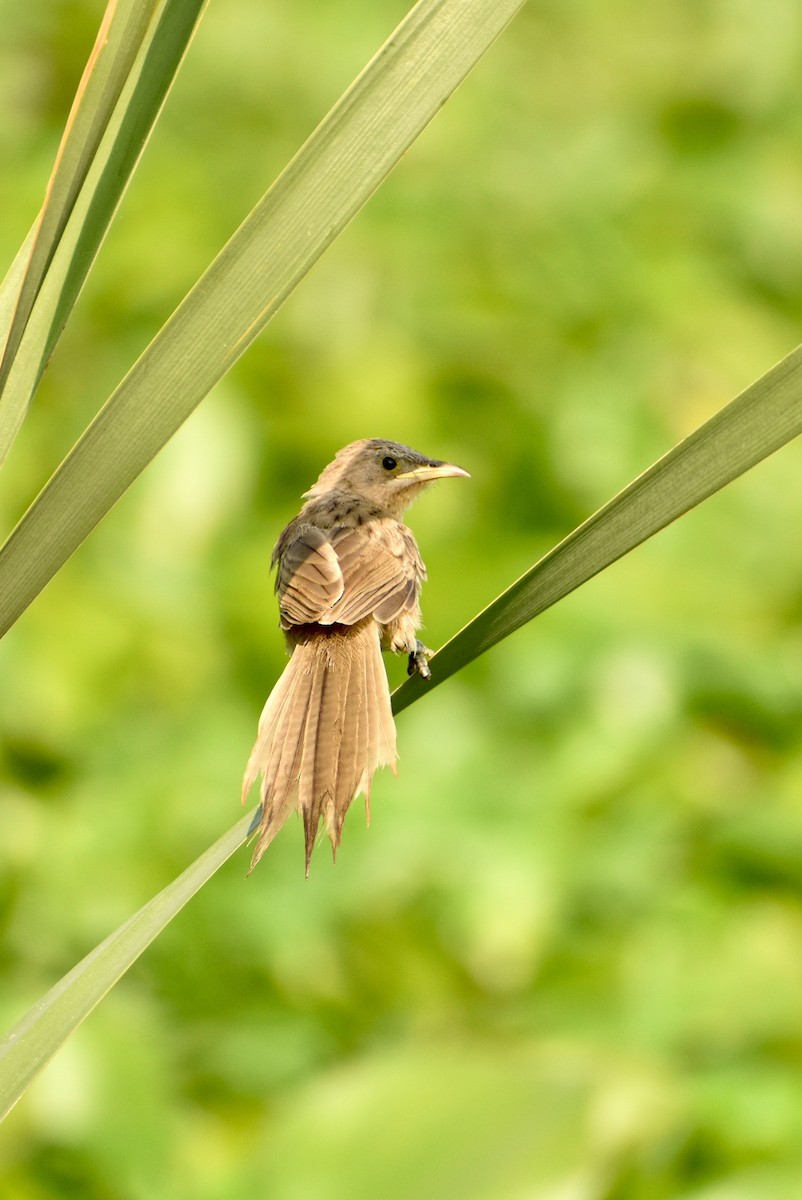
x: 565, y: 961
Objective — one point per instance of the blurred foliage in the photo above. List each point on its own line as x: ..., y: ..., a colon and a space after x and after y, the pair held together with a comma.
x: 565, y: 958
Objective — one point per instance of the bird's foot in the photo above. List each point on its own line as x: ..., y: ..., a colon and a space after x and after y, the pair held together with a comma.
x: 419, y: 661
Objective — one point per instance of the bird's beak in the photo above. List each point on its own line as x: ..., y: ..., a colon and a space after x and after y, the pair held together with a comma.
x: 432, y: 470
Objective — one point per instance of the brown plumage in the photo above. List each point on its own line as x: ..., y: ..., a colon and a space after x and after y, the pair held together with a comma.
x: 348, y: 580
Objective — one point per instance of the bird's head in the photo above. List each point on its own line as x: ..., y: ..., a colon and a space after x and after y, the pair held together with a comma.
x: 386, y: 473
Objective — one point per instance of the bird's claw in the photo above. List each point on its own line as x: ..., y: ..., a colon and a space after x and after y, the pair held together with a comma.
x: 419, y: 661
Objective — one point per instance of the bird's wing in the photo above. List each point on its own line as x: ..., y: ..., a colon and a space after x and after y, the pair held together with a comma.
x: 381, y: 569
x: 345, y: 574
x: 309, y: 579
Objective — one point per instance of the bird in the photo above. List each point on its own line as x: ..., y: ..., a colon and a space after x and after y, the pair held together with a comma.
x: 348, y: 580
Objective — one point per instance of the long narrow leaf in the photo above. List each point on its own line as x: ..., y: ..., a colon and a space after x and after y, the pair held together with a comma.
x: 9, y: 296
x: 132, y: 67
x: 326, y: 184
x: 34, y: 1040
x: 10, y: 287
x: 755, y: 424
x: 120, y: 34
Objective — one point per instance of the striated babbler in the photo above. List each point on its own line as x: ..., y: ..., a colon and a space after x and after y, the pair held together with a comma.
x: 348, y: 580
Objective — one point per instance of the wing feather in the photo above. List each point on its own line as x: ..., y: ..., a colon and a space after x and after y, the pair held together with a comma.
x: 381, y: 569
x: 309, y: 578
x: 342, y: 575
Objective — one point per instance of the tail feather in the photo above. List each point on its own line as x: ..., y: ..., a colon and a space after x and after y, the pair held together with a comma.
x: 353, y: 756
x: 325, y: 729
x: 334, y: 766
x: 282, y: 762
x: 386, y: 752
x: 282, y: 769
x: 316, y: 764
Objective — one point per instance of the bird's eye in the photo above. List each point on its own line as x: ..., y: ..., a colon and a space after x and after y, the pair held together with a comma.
x: 389, y: 463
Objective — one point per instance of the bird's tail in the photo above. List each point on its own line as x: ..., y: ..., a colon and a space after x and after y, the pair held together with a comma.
x: 326, y: 727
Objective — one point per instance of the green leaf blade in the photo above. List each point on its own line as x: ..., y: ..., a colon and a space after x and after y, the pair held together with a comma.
x: 132, y: 67
x: 30, y: 1045
x: 754, y: 425
x: 10, y: 417
x: 121, y: 31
